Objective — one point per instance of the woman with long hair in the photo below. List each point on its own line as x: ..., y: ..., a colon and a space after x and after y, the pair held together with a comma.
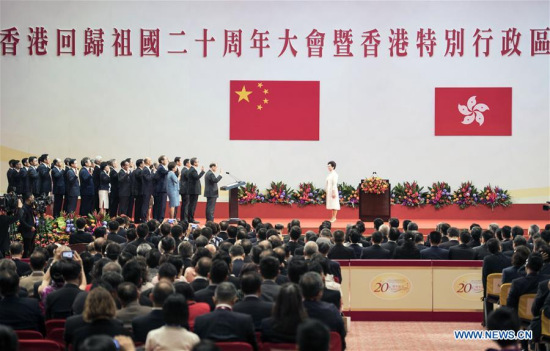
x: 407, y: 251
x: 288, y: 313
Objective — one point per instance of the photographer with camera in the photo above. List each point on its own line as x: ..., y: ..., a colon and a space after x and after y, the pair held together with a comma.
x: 8, y: 216
x: 27, y: 224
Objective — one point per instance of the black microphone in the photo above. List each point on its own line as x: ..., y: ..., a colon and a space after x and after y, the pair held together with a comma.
x: 231, y: 175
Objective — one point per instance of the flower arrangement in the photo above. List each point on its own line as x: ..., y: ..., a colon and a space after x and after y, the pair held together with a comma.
x: 439, y: 195
x: 493, y: 197
x: 374, y: 185
x: 279, y: 193
x: 307, y: 194
x: 466, y: 195
x: 349, y: 195
x: 249, y: 194
x: 408, y: 194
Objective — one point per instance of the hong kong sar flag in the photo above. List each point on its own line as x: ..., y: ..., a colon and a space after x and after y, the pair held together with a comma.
x: 274, y: 110
x: 473, y: 111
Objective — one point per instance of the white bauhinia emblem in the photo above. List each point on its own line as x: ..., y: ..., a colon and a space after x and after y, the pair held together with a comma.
x: 473, y: 111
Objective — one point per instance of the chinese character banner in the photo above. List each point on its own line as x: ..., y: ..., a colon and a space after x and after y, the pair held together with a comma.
x: 298, y: 83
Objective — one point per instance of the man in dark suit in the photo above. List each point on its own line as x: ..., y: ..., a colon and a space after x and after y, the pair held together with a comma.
x: 223, y: 324
x: 251, y: 303
x: 58, y: 179
x: 159, y: 207
x: 507, y: 243
x: 269, y: 269
x: 124, y: 188
x: 211, y: 190
x: 113, y: 194
x: 86, y: 187
x: 453, y: 234
x: 44, y: 175
x: 495, y: 262
x: 146, y: 188
x: 27, y: 226
x: 482, y: 251
x: 184, y: 190
x: 527, y: 284
x: 462, y: 251
x: 96, y: 174
x: 193, y: 188
x: 137, y: 190
x: 218, y: 274
x: 113, y: 236
x: 312, y: 289
x: 375, y: 251
x: 59, y: 303
x: 11, y: 175
x: 80, y: 236
x: 33, y: 179
x: 202, y: 269
x: 22, y: 178
x: 355, y: 238
x: 18, y: 313
x: 155, y: 319
x: 72, y: 187
x: 434, y: 252
x: 391, y: 244
x: 16, y: 253
x: 339, y: 251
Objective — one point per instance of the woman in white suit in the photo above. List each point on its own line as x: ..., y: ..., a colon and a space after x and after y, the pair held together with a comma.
x: 333, y: 198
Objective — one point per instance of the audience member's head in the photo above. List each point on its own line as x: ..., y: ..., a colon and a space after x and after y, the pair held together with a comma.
x: 313, y: 335
x: 176, y: 311
x: 8, y: 339
x: 225, y: 294
x: 504, y: 318
x: 312, y: 285
x: 99, y: 305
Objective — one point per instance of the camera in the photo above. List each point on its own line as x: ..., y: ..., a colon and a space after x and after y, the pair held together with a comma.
x: 41, y: 203
x: 8, y: 202
x: 67, y: 254
x: 546, y: 206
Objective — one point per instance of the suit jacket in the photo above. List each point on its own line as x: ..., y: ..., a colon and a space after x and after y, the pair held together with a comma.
x: 146, y: 181
x: 524, y: 285
x: 340, y: 252
x: 406, y: 253
x: 434, y: 253
x: 256, y: 308
x: 45, y: 178
x: 375, y: 252
x: 160, y: 179
x: 141, y: 326
x: 135, y: 180
x: 58, y: 179
x: 130, y: 312
x: 23, y: 268
x: 116, y: 238
x: 60, y: 302
x: 481, y: 252
x: 86, y: 182
x: 390, y: 246
x: 95, y: 175
x: 22, y: 183
x: 507, y: 245
x: 224, y: 325
x: 493, y: 263
x: 33, y: 181
x: 511, y: 273
x: 183, y: 181
x: 193, y: 181
x: 104, y: 181
x: 80, y: 237
x: 113, y: 174
x: 449, y: 244
x: 542, y: 295
x: 11, y: 174
x: 333, y: 297
x: 71, y: 183
x: 461, y: 252
x: 357, y: 249
x: 26, y: 222
x: 110, y: 327
x: 199, y: 284
x: 124, y: 183
x: 206, y: 295
x: 21, y: 314
x: 72, y: 324
x: 270, y: 290
x: 211, y: 184
x: 329, y: 315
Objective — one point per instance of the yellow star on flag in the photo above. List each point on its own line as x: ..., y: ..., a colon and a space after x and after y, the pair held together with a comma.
x: 243, y: 94
x: 266, y: 101
x: 266, y: 91
x: 259, y: 107
x: 260, y: 85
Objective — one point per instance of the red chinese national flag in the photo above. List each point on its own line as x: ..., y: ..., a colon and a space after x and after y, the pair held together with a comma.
x: 473, y: 111
x: 273, y: 110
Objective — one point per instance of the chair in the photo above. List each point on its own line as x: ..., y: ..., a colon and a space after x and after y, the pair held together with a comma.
x: 57, y: 335
x: 78, y: 247
x: 494, y: 281
x: 524, y: 308
x: 38, y: 345
x: 53, y: 324
x: 28, y: 335
x: 234, y: 346
x: 270, y: 346
x: 504, y: 291
x: 335, y: 342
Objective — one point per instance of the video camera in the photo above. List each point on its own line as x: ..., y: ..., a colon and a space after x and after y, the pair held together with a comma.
x: 41, y: 203
x: 8, y: 202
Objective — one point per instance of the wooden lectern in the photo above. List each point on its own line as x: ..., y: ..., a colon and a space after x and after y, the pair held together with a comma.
x: 372, y: 206
x: 233, y: 200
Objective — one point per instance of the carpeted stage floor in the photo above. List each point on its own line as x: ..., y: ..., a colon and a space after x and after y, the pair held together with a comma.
x: 425, y: 336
